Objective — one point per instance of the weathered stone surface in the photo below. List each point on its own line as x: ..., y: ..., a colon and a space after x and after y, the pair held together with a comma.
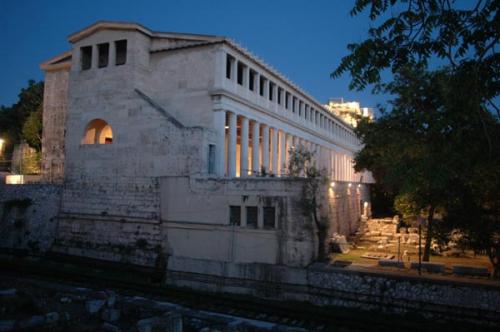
x: 110, y: 315
x: 94, y: 306
x: 470, y: 271
x: 429, y: 267
x: 110, y: 327
x: 391, y: 263
x: 51, y: 317
x: 338, y: 243
x: 147, y: 324
x: 7, y: 325
x: 32, y: 322
x: 8, y: 292
x: 31, y: 226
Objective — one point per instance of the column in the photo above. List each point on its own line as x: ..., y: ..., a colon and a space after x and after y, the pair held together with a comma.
x: 234, y: 70
x: 256, y: 83
x: 266, y: 88
x: 220, y: 127
x: 246, y: 73
x: 275, y: 93
x: 288, y: 145
x: 255, y: 148
x: 282, y: 162
x: 231, y: 151
x: 265, y: 147
x: 274, y: 149
x: 112, y: 54
x: 244, y: 148
x: 95, y: 57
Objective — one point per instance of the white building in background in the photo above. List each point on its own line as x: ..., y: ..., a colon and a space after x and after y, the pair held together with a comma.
x: 349, y: 111
x: 182, y: 140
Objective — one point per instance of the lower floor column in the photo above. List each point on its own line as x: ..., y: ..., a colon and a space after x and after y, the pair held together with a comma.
x: 255, y: 148
x: 220, y: 143
x: 231, y: 150
x: 265, y: 148
x: 274, y: 151
x: 282, y: 149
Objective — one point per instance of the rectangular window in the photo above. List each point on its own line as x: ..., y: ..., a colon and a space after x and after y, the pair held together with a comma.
x: 211, y: 159
x: 252, y: 216
x: 294, y: 102
x: 239, y: 77
x: 262, y: 85
x: 235, y: 215
x: 121, y: 52
x: 103, y: 54
x: 86, y: 57
x: 280, y: 94
x: 229, y: 61
x: 269, y: 217
x: 287, y: 97
x: 300, y: 108
x: 251, y: 80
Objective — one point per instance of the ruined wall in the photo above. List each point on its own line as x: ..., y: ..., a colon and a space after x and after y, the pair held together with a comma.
x: 55, y: 107
x: 29, y: 216
x: 195, y: 218
x: 329, y: 286
x: 344, y: 206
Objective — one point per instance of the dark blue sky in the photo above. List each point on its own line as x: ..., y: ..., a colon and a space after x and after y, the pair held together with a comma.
x: 304, y: 40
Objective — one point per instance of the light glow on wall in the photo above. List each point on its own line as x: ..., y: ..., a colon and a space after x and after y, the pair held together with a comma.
x: 14, y: 179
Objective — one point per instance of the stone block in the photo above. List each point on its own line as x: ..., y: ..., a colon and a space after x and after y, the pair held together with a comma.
x: 429, y: 267
x: 470, y: 271
x: 391, y: 263
x: 51, y: 317
x: 110, y: 315
x: 94, y: 306
x: 31, y: 323
x: 7, y: 325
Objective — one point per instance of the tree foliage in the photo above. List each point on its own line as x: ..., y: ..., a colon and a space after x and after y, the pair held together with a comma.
x: 437, y: 143
x: 32, y: 129
x: 314, y: 181
x: 13, y: 118
x: 417, y: 32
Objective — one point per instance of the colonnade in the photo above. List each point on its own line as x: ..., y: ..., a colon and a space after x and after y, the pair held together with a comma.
x: 246, y: 147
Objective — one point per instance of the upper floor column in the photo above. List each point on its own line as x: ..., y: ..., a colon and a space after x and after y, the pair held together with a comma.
x: 95, y: 57
x: 112, y: 54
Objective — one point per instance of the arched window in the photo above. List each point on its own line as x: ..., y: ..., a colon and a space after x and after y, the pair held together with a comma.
x: 98, y: 132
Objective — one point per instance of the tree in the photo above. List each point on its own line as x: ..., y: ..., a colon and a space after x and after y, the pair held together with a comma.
x: 12, y: 118
x: 300, y: 165
x: 417, y: 32
x: 32, y: 129
x: 438, y: 141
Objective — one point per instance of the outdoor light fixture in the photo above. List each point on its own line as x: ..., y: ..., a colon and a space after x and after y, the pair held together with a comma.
x: 359, y: 185
x: 227, y: 127
x: 332, y: 184
x: 350, y: 185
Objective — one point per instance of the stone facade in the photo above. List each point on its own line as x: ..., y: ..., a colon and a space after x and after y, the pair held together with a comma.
x: 340, y: 287
x: 29, y: 216
x: 167, y: 136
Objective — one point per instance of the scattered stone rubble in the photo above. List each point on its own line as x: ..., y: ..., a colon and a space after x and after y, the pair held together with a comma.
x: 63, y: 308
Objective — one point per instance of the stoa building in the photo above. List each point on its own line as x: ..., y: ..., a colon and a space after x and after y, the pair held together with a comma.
x: 180, y: 143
